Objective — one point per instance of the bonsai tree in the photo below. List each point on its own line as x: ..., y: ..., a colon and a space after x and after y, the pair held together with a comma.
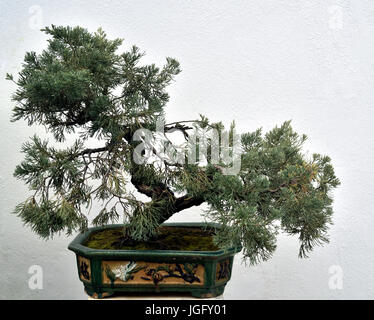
x: 80, y: 87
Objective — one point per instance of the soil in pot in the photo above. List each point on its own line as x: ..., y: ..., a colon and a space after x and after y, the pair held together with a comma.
x: 169, y: 238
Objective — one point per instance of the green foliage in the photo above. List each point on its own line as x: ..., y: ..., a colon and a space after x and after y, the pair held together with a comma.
x: 79, y: 83
x: 276, y: 184
x: 72, y: 83
x: 49, y: 217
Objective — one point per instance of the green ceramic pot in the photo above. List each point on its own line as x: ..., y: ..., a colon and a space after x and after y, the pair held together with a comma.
x: 104, y: 272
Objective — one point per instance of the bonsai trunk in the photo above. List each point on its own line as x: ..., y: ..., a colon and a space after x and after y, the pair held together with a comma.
x: 162, y: 196
x: 164, y: 201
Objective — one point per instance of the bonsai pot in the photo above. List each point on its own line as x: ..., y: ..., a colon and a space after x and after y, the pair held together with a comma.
x: 203, y: 274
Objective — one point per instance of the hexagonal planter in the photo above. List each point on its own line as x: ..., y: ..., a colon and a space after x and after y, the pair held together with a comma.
x: 104, y: 272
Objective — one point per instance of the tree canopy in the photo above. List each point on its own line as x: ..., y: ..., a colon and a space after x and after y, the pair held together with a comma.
x: 81, y: 84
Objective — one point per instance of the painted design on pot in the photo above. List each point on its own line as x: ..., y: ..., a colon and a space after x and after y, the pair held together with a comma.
x: 130, y: 272
x: 187, y: 275
x: 84, y: 269
x: 123, y: 272
x: 223, y: 270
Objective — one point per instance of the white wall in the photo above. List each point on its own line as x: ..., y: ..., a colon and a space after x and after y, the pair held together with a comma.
x: 256, y: 62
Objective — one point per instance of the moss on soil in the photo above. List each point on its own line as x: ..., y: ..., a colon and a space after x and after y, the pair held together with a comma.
x: 169, y: 238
